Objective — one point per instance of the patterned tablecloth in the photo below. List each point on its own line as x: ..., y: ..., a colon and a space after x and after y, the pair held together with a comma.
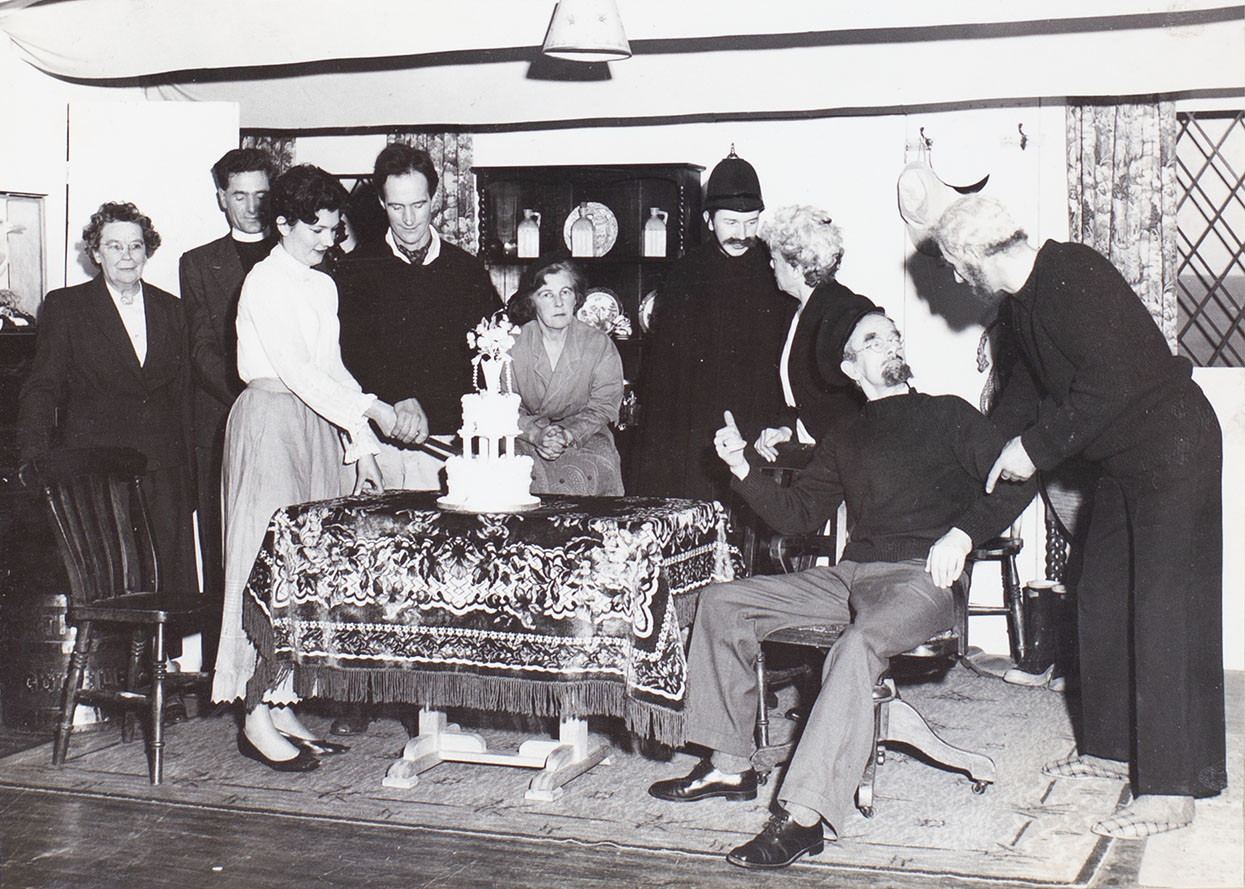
x: 566, y: 609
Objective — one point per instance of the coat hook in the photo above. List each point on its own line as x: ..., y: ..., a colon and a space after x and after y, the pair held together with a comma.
x: 926, y: 140
x: 1024, y: 140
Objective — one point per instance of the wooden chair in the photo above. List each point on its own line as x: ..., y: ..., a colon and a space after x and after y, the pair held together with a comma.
x: 104, y: 537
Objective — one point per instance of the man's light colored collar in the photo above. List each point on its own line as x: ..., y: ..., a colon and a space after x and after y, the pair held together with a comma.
x: 247, y: 237
x: 434, y: 246
x: 122, y: 299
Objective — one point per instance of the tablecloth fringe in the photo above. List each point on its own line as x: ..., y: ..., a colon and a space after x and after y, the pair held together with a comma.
x: 493, y: 693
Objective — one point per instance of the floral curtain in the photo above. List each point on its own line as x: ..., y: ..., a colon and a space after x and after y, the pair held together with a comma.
x: 454, y: 214
x: 1122, y: 196
x: 279, y: 148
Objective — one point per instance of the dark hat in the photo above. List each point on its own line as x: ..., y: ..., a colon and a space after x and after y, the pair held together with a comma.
x: 836, y: 329
x: 733, y: 185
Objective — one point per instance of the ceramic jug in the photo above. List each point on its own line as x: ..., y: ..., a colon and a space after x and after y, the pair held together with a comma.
x: 655, y: 232
x: 529, y: 235
x: 583, y: 234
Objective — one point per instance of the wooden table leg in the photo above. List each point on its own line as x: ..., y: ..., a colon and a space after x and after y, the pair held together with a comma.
x: 573, y: 754
x: 559, y: 761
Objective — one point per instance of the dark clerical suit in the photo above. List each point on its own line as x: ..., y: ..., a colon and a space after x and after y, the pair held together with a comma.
x: 87, y: 389
x: 211, y: 279
x: 718, y: 328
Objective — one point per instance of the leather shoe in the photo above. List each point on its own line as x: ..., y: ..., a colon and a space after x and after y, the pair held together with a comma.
x: 304, y: 762
x: 319, y: 746
x: 781, y: 842
x: 703, y: 782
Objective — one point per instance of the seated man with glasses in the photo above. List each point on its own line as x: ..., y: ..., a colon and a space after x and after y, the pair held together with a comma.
x: 912, y: 469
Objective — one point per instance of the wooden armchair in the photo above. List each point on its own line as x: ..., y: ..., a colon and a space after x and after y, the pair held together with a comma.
x: 104, y: 537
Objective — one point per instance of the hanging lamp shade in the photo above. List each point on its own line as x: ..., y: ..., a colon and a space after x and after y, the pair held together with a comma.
x: 586, y: 31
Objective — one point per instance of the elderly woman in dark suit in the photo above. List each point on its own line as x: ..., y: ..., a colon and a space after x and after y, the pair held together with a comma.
x: 111, y: 368
x: 806, y: 249
x: 569, y: 377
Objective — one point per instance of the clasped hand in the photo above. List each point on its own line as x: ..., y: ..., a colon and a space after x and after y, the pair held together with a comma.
x: 553, y: 441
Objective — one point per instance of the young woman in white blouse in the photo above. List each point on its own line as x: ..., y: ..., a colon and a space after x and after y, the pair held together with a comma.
x: 291, y: 437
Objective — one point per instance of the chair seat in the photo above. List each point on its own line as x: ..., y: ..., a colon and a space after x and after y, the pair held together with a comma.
x: 144, y: 608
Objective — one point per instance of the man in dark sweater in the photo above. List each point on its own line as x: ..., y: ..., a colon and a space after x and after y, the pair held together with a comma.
x: 717, y: 333
x: 406, y: 303
x: 211, y: 279
x: 912, y: 470
x: 1095, y: 378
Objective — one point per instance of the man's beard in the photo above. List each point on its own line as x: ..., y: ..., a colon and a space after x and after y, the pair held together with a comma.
x: 896, y: 373
x: 975, y: 277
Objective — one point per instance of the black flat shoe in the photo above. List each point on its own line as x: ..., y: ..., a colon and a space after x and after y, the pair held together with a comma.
x: 175, y: 711
x: 349, y: 725
x: 696, y: 785
x: 318, y: 746
x: 304, y: 762
x: 781, y: 842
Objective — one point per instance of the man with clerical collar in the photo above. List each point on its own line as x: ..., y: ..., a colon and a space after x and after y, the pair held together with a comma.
x: 912, y: 469
x: 406, y: 303
x: 211, y: 280
x: 717, y: 332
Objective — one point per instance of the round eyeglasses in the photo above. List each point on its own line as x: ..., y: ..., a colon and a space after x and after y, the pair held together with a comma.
x: 882, y: 343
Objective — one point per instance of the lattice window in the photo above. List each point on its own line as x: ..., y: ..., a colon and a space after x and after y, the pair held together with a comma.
x: 1210, y: 284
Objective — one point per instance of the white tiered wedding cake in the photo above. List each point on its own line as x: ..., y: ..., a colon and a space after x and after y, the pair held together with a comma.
x: 490, y: 476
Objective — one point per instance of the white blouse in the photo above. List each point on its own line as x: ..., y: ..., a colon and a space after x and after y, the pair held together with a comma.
x: 288, y: 330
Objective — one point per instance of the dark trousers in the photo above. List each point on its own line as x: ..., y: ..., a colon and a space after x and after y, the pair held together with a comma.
x: 167, y: 492
x: 1150, y: 607
x: 207, y: 470
x: 211, y: 549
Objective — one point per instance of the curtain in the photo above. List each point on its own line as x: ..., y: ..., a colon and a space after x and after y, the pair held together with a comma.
x: 279, y: 148
x: 1122, y: 196
x: 453, y: 213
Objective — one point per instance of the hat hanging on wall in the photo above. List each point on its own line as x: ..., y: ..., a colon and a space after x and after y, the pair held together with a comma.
x: 922, y: 199
x: 927, y: 187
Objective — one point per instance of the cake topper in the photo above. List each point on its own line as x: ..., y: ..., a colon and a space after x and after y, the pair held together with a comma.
x: 493, y: 338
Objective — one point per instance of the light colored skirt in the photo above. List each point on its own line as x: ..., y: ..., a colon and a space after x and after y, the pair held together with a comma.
x: 278, y: 452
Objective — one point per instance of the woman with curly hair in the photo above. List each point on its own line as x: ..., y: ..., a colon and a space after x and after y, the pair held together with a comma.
x: 806, y: 248
x: 112, y: 369
x: 292, y: 436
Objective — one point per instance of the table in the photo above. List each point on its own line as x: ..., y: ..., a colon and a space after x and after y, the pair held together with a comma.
x: 567, y: 609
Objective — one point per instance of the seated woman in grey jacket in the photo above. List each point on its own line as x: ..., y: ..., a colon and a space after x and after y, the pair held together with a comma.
x: 569, y: 377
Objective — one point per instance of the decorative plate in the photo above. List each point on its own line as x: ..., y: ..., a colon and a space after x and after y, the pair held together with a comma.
x: 646, y: 310
x: 602, y: 308
x: 604, y: 224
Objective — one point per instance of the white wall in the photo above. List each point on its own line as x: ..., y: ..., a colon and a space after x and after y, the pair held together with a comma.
x: 162, y: 164
x: 33, y: 150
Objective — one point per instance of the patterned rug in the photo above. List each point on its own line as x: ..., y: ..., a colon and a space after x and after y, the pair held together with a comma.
x: 1024, y: 828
